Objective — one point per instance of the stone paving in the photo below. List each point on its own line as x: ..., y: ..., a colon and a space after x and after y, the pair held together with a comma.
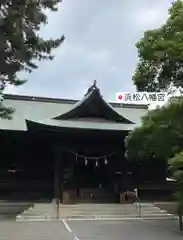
x: 91, y: 230
x: 34, y: 231
x: 127, y: 230
x: 84, y: 227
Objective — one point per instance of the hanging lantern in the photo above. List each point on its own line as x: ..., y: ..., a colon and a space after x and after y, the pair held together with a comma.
x: 105, y: 162
x: 86, y: 162
x: 96, y: 164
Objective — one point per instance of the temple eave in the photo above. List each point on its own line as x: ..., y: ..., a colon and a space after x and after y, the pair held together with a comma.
x: 49, y: 125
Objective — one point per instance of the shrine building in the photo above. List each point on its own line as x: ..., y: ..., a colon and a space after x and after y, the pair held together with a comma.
x: 70, y: 150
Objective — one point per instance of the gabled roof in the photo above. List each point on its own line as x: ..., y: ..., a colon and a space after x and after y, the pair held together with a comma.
x: 39, y: 112
x: 93, y: 106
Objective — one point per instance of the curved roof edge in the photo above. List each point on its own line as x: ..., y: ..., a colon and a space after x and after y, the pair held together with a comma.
x: 66, y: 124
x: 91, y: 100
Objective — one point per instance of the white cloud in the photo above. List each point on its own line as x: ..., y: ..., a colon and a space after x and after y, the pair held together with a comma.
x: 100, y: 44
x: 149, y: 18
x: 101, y: 57
x: 11, y: 89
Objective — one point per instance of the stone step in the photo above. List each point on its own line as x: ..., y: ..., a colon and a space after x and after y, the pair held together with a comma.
x: 93, y: 211
x: 52, y: 218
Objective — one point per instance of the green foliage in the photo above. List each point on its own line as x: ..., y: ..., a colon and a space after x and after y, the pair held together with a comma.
x: 5, y: 112
x: 20, y: 43
x: 176, y: 168
x: 160, y: 54
x: 160, y: 63
x: 160, y: 136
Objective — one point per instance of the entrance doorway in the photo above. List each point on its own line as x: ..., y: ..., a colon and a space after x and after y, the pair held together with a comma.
x: 92, y: 178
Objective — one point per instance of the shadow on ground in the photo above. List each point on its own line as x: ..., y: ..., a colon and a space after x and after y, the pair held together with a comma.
x: 10, y: 209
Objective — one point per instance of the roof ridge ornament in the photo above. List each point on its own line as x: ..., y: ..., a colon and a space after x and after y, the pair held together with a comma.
x: 92, y: 87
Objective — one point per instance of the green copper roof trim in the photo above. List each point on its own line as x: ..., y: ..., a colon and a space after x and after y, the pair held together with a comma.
x: 68, y: 101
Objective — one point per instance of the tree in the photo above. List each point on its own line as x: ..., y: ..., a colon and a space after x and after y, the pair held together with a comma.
x: 160, y: 54
x: 160, y: 135
x: 21, y: 46
x: 176, y: 167
x: 160, y: 138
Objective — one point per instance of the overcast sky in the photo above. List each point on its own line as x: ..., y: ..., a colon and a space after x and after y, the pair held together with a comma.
x: 100, y: 44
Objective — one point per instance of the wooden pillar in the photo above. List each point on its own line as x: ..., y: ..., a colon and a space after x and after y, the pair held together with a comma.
x: 57, y: 173
x: 56, y: 179
x: 122, y: 170
x: 124, y: 179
